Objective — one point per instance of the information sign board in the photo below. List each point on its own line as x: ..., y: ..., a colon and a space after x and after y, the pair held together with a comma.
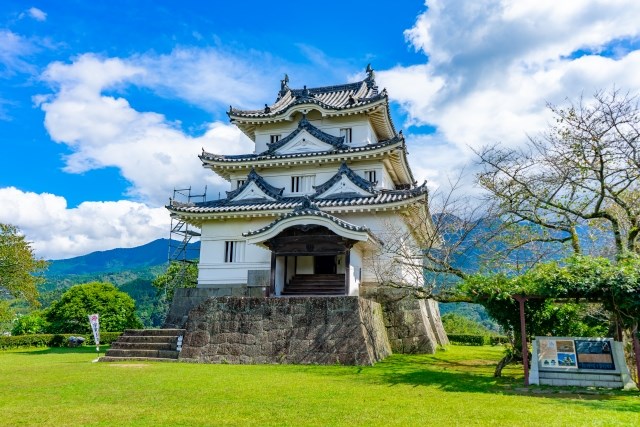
x: 594, y: 355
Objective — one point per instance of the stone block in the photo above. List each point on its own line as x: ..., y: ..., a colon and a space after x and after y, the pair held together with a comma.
x: 346, y: 330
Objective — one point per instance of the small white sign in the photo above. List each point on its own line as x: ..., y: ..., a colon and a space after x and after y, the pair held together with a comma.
x: 94, y: 320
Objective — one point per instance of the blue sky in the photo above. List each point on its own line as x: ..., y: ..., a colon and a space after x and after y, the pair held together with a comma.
x: 104, y: 106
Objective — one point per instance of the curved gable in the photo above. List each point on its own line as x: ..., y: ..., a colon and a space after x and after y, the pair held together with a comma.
x: 344, y: 184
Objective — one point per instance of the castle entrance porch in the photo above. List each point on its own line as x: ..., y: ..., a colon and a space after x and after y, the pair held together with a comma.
x: 313, y: 253
x: 309, y: 259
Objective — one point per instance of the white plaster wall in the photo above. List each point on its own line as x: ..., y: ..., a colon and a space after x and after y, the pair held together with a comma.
x: 361, y: 130
x: 213, y: 270
x: 379, y: 224
x: 355, y: 259
x: 281, y: 177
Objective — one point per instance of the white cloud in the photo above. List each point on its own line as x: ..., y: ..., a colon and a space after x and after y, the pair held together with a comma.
x: 152, y: 153
x: 14, y: 48
x: 212, y: 78
x: 57, y: 231
x: 492, y: 65
x: 37, y: 14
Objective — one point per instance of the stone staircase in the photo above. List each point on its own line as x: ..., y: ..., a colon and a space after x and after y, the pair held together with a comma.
x: 315, y: 284
x: 146, y: 345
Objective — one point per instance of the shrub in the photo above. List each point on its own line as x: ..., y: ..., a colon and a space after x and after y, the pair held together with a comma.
x: 499, y: 339
x: 52, y: 340
x: 470, y: 339
x: 32, y: 323
x: 465, y: 339
x: 457, y: 324
x: 70, y: 313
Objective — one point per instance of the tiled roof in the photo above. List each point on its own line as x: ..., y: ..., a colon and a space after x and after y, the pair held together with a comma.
x: 253, y: 176
x: 307, y: 208
x: 351, y: 175
x: 336, y: 97
x: 267, y: 156
x: 227, y: 206
x: 304, y: 124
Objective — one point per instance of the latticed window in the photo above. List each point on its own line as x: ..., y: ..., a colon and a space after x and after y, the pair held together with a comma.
x: 302, y: 183
x: 240, y: 183
x: 233, y: 251
x: 371, y: 176
x: 346, y: 132
x: 275, y: 138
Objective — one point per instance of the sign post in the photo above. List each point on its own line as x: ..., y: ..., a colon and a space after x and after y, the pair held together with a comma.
x: 94, y: 320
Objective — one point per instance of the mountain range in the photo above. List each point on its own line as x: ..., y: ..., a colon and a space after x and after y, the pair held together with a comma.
x: 116, y: 260
x: 132, y: 270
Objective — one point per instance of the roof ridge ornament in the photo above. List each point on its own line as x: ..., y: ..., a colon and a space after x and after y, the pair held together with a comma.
x: 307, y: 204
x: 305, y: 93
x: 371, y: 77
x: 284, y: 86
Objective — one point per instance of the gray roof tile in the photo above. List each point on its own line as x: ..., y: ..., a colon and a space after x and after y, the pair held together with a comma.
x: 227, y: 206
x: 237, y: 158
x: 336, y: 97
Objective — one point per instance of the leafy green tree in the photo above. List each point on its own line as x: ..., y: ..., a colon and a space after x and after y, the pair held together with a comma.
x: 32, y: 323
x: 178, y: 275
x: 616, y: 286
x: 6, y: 317
x: 19, y: 267
x: 70, y: 313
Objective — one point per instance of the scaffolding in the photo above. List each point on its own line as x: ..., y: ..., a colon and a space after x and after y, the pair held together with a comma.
x: 181, y: 250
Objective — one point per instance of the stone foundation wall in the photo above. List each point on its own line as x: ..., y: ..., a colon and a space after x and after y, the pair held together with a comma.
x: 306, y: 330
x: 185, y: 299
x: 413, y: 325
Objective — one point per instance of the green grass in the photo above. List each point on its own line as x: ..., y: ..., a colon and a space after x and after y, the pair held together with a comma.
x: 453, y: 387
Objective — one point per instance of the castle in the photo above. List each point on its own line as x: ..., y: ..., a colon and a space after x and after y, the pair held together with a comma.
x: 305, y: 224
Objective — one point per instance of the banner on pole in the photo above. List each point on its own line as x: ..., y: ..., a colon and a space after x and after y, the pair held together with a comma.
x: 94, y: 320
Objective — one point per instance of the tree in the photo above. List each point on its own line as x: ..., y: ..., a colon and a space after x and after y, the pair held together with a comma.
x: 444, y: 240
x: 19, y: 267
x: 32, y: 323
x: 6, y: 317
x: 70, y: 313
x: 616, y: 286
x: 584, y: 171
x: 178, y: 275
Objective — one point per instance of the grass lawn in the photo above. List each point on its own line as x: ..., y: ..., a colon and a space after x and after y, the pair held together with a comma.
x: 453, y: 387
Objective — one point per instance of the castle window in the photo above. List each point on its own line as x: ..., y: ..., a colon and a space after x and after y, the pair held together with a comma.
x: 346, y: 132
x: 240, y: 183
x: 275, y: 138
x: 302, y: 183
x: 233, y: 251
x: 371, y: 176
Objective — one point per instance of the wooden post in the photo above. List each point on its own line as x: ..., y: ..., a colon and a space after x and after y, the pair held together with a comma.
x: 272, y: 285
x: 523, y: 332
x: 636, y: 349
x: 286, y: 262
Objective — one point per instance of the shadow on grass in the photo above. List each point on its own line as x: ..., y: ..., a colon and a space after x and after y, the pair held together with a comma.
x: 39, y: 351
x: 445, y: 375
x: 462, y: 376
